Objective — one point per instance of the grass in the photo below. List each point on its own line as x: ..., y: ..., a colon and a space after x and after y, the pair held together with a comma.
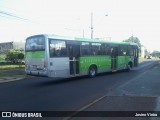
x: 10, y: 73
x: 11, y: 67
x: 3, y: 74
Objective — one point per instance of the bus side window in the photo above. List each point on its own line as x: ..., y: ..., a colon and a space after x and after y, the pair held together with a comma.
x: 85, y: 48
x: 96, y: 49
x: 123, y: 50
x: 130, y: 49
x: 52, y: 52
x: 120, y: 50
x: 103, y: 49
x: 57, y: 48
x: 108, y: 50
x: 111, y: 51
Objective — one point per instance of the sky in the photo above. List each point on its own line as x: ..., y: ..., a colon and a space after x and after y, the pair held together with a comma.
x: 116, y: 20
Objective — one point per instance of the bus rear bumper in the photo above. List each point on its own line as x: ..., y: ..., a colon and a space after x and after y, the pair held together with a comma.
x: 37, y: 73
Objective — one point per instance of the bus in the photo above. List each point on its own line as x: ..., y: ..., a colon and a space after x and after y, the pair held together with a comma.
x: 63, y: 57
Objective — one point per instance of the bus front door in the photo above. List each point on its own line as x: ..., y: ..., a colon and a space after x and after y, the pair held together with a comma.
x: 74, y: 53
x: 114, y: 53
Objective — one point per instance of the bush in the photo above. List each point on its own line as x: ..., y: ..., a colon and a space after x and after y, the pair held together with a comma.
x: 15, y: 56
x: 2, y: 58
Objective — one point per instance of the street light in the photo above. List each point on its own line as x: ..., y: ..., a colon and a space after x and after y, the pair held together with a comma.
x: 92, y: 24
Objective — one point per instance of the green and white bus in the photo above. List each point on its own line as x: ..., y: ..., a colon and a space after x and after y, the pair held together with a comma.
x: 64, y: 57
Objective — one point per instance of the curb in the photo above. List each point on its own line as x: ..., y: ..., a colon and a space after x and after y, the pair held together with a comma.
x: 14, y: 78
x: 10, y: 79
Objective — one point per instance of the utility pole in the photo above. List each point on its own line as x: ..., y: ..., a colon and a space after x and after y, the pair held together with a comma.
x: 91, y: 25
x: 132, y: 37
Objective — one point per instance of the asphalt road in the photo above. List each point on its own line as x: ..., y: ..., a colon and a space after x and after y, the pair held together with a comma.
x: 45, y: 94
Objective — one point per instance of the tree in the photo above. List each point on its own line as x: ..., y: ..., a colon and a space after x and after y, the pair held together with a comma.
x: 155, y: 54
x: 133, y: 39
x: 2, y: 58
x: 15, y: 56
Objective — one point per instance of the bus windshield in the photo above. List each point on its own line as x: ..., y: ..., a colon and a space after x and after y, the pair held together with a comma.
x: 36, y: 43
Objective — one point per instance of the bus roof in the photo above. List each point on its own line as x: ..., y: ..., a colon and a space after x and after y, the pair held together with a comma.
x: 100, y: 40
x: 54, y: 36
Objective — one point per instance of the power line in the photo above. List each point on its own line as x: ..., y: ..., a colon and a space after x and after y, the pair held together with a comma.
x: 11, y: 15
x: 14, y: 16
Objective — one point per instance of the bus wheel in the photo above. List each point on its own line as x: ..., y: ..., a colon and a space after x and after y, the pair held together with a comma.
x: 92, y: 71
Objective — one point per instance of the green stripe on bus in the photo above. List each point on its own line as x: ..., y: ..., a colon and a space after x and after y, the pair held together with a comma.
x: 35, y: 54
x: 99, y: 61
x: 122, y: 61
x: 102, y: 62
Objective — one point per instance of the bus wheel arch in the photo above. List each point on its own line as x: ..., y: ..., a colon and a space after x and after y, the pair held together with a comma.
x: 92, y: 72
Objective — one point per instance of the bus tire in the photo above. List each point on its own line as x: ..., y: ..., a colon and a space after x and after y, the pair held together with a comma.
x: 92, y: 71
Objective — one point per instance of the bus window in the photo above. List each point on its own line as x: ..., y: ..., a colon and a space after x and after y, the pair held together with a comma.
x: 108, y: 50
x: 103, y: 49
x: 35, y: 43
x: 85, y: 49
x: 96, y: 49
x: 130, y: 50
x: 57, y: 48
x: 123, y: 50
